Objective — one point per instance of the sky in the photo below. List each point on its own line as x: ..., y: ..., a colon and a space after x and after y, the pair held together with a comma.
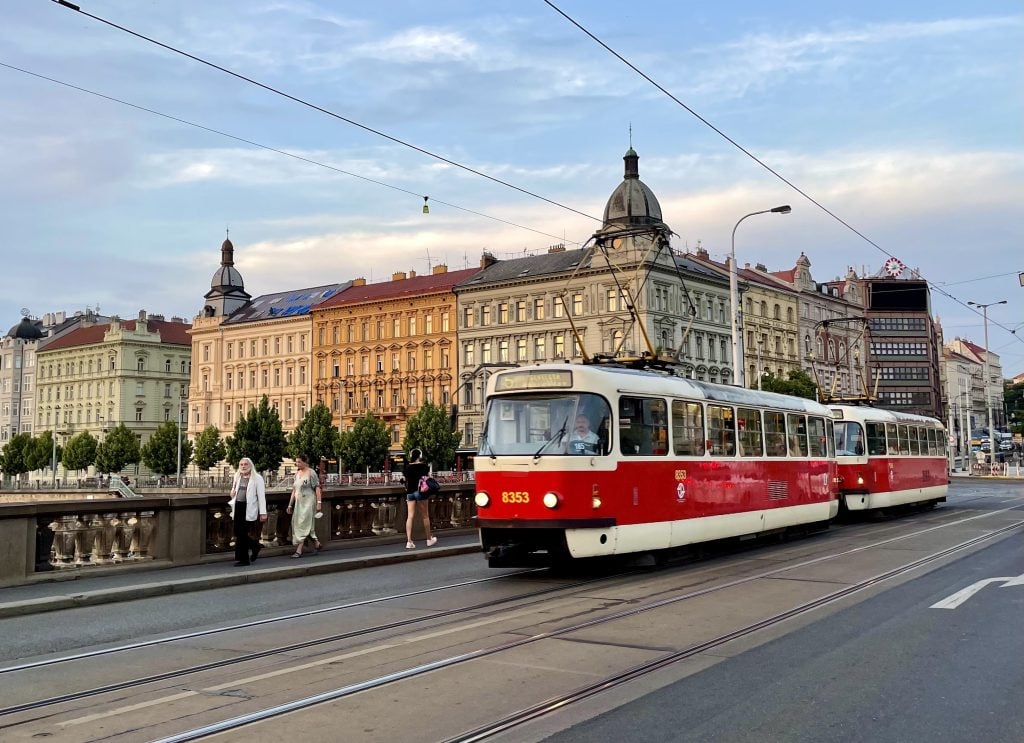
x: 904, y: 119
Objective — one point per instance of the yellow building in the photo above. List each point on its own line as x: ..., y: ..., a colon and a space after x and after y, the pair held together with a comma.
x: 769, y: 320
x: 244, y: 348
x: 387, y: 348
x: 102, y: 374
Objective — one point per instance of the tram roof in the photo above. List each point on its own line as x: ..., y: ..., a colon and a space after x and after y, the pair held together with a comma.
x: 648, y: 382
x: 865, y: 413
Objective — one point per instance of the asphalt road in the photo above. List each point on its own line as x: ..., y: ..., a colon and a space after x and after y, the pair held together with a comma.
x: 888, y: 669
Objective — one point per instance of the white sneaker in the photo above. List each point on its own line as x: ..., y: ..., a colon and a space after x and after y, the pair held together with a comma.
x: 410, y: 545
x: 432, y: 541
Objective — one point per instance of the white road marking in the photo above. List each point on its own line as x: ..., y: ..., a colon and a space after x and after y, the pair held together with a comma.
x: 952, y: 602
x: 129, y: 708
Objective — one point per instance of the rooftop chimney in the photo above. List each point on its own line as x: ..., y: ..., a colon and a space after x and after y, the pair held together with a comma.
x: 412, y: 274
x: 703, y: 253
x: 560, y: 248
x: 761, y: 267
x: 440, y: 268
x: 359, y: 282
x: 142, y: 316
x: 487, y: 259
x: 398, y: 276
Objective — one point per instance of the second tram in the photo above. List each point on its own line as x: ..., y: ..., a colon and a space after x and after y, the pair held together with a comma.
x: 582, y: 461
x: 888, y: 459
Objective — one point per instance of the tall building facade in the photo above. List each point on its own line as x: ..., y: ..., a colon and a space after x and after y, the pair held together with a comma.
x: 904, y: 347
x: 17, y: 379
x: 990, y: 390
x: 243, y: 348
x: 387, y: 348
x: 99, y: 375
x: 629, y: 296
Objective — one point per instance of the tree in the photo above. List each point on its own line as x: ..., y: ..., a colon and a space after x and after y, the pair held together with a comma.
x: 80, y: 452
x: 40, y: 454
x: 14, y: 459
x: 259, y: 436
x: 366, y: 445
x: 209, y: 448
x: 430, y: 430
x: 118, y: 449
x: 315, y: 436
x: 160, y: 453
x: 799, y: 384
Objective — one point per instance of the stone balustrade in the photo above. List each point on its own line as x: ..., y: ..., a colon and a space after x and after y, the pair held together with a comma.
x: 42, y: 540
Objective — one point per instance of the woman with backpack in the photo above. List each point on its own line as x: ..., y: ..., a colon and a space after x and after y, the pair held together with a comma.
x: 417, y: 496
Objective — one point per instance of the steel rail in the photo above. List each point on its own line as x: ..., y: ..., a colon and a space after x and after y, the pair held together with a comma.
x: 444, y: 663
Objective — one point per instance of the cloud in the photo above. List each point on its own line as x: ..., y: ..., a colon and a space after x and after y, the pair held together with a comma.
x: 420, y: 44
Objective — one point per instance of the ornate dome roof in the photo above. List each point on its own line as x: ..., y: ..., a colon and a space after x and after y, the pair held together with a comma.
x: 26, y: 330
x: 227, y: 276
x: 632, y: 202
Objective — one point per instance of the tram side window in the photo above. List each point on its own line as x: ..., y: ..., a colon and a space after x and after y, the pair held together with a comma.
x: 643, y: 426
x: 922, y: 437
x: 751, y: 435
x: 934, y: 442
x: 914, y: 434
x: 797, y: 435
x: 876, y: 439
x: 816, y: 435
x: 775, y: 434
x: 831, y: 438
x: 722, y: 430
x: 687, y: 429
x: 904, y: 440
x: 893, y: 446
x: 850, y: 439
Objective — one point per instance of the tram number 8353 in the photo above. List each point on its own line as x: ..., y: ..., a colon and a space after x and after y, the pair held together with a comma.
x: 515, y: 496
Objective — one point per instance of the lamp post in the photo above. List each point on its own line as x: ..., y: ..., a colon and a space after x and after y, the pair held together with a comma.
x: 760, y: 371
x: 177, y: 474
x: 734, y: 300
x: 988, y: 401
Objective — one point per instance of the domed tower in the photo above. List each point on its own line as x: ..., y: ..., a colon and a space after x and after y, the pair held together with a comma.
x: 632, y: 203
x: 227, y: 290
x: 26, y: 330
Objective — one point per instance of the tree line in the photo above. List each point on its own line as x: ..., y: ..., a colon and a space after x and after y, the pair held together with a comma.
x: 259, y: 435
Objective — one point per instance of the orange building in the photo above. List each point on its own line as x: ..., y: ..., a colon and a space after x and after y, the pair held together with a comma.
x: 387, y: 348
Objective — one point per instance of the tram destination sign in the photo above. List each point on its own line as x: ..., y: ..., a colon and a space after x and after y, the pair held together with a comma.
x: 532, y: 380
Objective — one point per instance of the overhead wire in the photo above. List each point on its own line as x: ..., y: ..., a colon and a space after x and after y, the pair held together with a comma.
x: 751, y: 155
x: 321, y: 109
x: 269, y: 148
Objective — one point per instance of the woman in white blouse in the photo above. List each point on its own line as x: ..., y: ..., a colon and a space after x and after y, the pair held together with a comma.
x: 247, y: 490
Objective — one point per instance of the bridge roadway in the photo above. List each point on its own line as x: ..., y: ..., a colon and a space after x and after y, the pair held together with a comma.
x: 830, y: 637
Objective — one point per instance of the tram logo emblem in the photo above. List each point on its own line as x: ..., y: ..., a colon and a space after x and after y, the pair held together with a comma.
x: 680, y: 492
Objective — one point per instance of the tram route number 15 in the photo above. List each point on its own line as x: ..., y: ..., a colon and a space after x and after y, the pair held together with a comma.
x: 515, y: 496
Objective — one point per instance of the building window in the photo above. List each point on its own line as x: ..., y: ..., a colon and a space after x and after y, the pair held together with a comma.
x: 485, y: 315
x: 467, y: 317
x: 557, y: 308
x: 467, y: 354
x: 138, y: 415
x: 428, y: 323
x: 559, y: 350
x: 264, y: 379
x: 395, y: 366
x: 521, y: 349
x: 612, y: 299
x: 289, y: 376
x: 396, y: 328
x: 444, y: 322
x: 538, y: 309
x: 277, y: 377
x: 503, y: 313
x: 539, y: 352
x: 521, y: 310
x: 412, y: 326
x: 485, y: 352
x: 380, y: 362
x: 302, y: 375
x: 577, y: 305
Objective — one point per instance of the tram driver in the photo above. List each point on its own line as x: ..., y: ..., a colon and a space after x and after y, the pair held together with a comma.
x: 583, y: 440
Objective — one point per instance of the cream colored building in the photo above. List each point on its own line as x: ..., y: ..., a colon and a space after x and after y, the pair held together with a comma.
x: 102, y: 374
x: 244, y: 348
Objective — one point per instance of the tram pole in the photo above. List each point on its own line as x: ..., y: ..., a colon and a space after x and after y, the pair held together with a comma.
x: 988, y: 398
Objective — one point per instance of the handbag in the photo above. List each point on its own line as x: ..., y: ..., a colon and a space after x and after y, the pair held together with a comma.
x: 429, y: 486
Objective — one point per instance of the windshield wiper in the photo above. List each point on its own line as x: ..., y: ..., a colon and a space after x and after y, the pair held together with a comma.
x: 557, y: 437
x: 483, y: 443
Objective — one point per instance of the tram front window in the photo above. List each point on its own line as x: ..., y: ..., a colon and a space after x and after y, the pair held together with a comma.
x: 849, y: 439
x: 545, y: 425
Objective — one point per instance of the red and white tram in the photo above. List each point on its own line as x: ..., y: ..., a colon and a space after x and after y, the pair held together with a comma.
x: 583, y: 461
x: 889, y: 459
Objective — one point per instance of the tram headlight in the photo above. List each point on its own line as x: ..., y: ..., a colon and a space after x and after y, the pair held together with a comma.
x: 860, y: 479
x: 595, y: 502
x: 551, y: 500
x: 482, y: 499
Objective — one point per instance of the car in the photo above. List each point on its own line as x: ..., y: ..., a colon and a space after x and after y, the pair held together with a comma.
x: 1005, y: 445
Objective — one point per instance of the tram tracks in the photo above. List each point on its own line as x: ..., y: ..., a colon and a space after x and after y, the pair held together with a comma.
x: 391, y: 678
x: 533, y: 712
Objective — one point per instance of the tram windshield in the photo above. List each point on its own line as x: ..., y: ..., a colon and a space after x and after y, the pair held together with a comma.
x: 544, y: 425
x: 849, y: 439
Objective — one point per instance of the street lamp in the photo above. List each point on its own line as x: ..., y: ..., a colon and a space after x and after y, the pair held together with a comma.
x: 988, y: 401
x: 734, y: 301
x: 177, y: 475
